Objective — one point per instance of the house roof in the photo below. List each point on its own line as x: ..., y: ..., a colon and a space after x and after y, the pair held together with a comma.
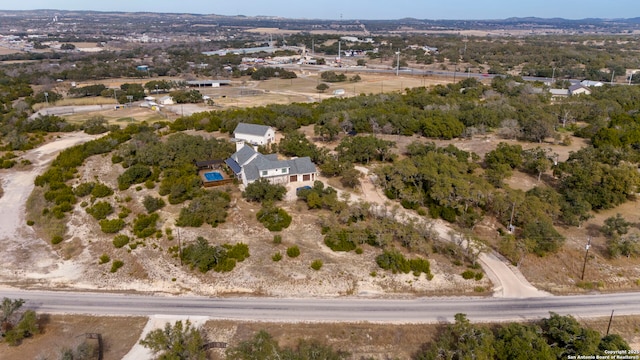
x: 252, y: 163
x: 233, y: 165
x: 302, y: 165
x: 243, y: 155
x: 165, y: 98
x: 575, y: 87
x: 559, y: 92
x: 251, y: 129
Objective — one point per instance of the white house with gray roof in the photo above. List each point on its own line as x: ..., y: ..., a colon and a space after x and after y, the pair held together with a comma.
x: 249, y: 165
x: 255, y: 134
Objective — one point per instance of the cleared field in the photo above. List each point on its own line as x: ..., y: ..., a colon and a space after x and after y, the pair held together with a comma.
x: 60, y: 332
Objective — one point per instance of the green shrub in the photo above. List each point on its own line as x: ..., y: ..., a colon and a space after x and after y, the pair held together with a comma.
x: 149, y: 184
x: 293, y: 251
x: 101, y: 190
x: 100, y: 210
x: 274, y: 218
x: 277, y: 239
x: 468, y: 274
x: 135, y: 174
x: 316, y: 264
x: 152, y: 204
x: 145, y: 225
x: 396, y: 262
x: 479, y: 276
x: 112, y: 226
x: 208, y: 207
x: 103, y: 259
x: 239, y: 251
x: 340, y: 240
x: 225, y: 265
x: 124, y: 212
x: 120, y: 241
x: 84, y: 189
x: 359, y: 250
x: 30, y: 222
x: 56, y: 240
x: 115, y: 265
x: 277, y: 256
x: 204, y: 257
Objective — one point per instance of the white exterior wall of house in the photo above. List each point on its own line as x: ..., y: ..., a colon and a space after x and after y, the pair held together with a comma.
x: 274, y: 172
x: 253, y: 139
x: 279, y: 180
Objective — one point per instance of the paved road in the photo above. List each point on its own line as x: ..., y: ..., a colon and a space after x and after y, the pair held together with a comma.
x: 422, y: 310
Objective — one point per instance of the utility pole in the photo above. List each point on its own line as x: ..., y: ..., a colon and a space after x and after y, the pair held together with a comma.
x: 513, y: 211
x: 398, y: 62
x: 610, y: 320
x: 612, y: 75
x: 586, y: 255
x: 46, y: 97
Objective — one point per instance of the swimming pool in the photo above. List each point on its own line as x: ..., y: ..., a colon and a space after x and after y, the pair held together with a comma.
x: 213, y: 176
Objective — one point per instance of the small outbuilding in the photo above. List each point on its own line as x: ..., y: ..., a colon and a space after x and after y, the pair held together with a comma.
x: 255, y: 134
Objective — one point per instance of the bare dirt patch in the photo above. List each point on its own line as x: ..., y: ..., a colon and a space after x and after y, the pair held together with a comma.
x: 61, y: 332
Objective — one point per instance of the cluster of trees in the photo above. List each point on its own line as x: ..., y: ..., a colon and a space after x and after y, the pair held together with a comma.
x: 220, y: 258
x: 615, y: 228
x: 207, y: 206
x: 265, y: 73
x: 396, y: 262
x: 556, y: 337
x: 353, y: 225
x: 14, y: 324
x: 58, y: 194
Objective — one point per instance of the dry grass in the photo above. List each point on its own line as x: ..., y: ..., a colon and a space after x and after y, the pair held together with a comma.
x: 94, y: 100
x: 68, y: 331
x: 362, y: 340
x: 6, y: 51
x: 121, y: 117
x: 46, y: 226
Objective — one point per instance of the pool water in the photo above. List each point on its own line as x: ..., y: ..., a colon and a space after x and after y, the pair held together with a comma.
x: 213, y: 176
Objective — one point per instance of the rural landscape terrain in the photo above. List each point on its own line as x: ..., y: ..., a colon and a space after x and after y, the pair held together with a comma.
x: 452, y: 159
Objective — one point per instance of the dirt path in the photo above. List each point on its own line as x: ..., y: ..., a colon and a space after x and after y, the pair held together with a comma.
x: 24, y: 255
x: 508, y: 280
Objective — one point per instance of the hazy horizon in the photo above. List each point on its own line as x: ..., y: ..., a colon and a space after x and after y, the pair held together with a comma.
x: 357, y: 9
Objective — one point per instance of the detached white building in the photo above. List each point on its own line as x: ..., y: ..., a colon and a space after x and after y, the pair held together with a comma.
x: 166, y: 100
x: 255, y: 134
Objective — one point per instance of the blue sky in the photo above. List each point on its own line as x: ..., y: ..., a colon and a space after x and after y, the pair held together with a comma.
x: 357, y: 9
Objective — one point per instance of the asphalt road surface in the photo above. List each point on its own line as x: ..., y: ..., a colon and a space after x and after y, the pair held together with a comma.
x: 421, y: 310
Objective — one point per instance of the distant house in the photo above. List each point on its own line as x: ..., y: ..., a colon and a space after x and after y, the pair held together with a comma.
x: 255, y: 134
x: 249, y: 165
x: 166, y: 100
x: 579, y: 89
x: 557, y: 93
x: 591, y: 83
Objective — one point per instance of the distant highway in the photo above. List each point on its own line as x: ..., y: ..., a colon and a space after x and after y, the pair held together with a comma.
x: 459, y: 75
x: 420, y: 310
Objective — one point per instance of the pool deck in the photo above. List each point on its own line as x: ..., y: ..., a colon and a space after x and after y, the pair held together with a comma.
x: 225, y: 178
